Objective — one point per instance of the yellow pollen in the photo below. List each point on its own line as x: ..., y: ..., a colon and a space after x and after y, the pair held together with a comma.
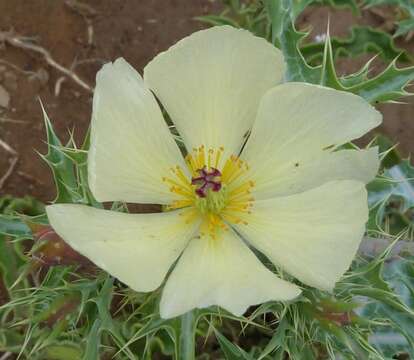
x: 229, y: 202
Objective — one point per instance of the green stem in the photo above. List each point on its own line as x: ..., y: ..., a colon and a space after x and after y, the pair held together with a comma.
x: 186, y: 341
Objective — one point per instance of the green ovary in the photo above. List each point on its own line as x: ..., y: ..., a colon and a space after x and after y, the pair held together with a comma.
x: 214, y: 202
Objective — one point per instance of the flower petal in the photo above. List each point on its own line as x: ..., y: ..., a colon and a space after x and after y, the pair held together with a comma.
x: 223, y: 272
x: 211, y: 83
x: 297, y: 123
x: 138, y: 249
x: 312, y: 235
x: 360, y: 165
x: 131, y: 146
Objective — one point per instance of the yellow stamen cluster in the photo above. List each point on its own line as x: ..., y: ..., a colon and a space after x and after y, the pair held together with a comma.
x: 181, y: 186
x: 230, y: 204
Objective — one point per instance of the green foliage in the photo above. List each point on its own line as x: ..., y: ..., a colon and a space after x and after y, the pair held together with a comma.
x: 282, y: 15
x: 406, y: 24
x: 230, y: 350
x: 26, y: 205
x: 388, y: 85
x: 397, y: 181
x: 397, y: 336
x: 11, y: 254
x: 68, y: 165
x: 247, y: 15
x: 61, y: 166
x: 391, y: 195
x: 362, y: 40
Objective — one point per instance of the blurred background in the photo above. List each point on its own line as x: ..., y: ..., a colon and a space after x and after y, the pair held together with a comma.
x: 69, y: 40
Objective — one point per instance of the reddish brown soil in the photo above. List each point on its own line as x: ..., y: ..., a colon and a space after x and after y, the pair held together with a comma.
x: 136, y: 30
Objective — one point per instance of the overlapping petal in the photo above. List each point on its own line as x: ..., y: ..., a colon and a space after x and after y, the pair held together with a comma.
x: 131, y: 146
x: 291, y: 178
x: 211, y: 83
x: 312, y: 235
x: 222, y: 272
x: 138, y: 249
x: 296, y: 124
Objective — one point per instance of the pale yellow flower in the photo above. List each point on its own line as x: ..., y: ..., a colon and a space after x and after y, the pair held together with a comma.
x: 262, y: 171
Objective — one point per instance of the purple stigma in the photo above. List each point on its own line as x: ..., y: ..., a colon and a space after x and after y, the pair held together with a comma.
x: 208, y: 179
